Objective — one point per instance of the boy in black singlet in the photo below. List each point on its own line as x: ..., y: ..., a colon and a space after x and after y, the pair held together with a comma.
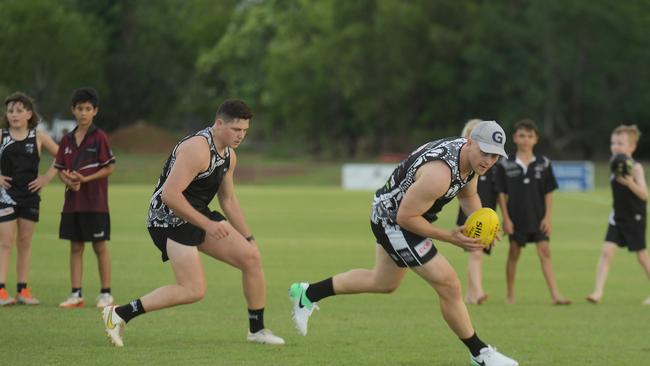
x: 627, y: 221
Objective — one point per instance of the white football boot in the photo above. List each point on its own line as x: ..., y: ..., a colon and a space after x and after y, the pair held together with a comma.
x: 302, y: 306
x: 114, y: 325
x: 104, y: 300
x: 264, y: 336
x: 490, y: 357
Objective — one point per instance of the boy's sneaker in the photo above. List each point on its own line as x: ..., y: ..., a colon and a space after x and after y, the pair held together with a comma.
x: 114, y: 325
x: 490, y: 357
x: 302, y: 306
x: 5, y: 299
x: 74, y: 301
x: 264, y: 336
x: 25, y: 297
x: 104, y: 300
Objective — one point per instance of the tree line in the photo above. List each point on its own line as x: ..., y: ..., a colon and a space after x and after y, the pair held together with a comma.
x: 339, y: 78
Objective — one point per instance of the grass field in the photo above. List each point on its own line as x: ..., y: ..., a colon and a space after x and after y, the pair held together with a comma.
x: 308, y: 233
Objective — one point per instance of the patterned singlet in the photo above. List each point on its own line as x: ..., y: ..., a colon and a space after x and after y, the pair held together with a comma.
x: 389, y: 197
x: 199, y: 192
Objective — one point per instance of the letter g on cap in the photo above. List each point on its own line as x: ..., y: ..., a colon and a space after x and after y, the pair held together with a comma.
x: 497, y: 136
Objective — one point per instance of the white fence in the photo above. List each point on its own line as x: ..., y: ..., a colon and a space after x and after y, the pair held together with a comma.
x: 570, y: 175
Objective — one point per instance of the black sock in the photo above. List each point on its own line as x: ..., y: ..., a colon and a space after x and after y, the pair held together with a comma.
x: 255, y: 320
x: 2, y: 285
x: 20, y: 286
x: 105, y: 290
x: 320, y: 290
x: 474, y: 344
x: 130, y: 310
x: 77, y: 290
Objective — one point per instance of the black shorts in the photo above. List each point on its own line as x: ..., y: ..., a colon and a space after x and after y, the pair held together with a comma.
x: 406, y: 249
x: 10, y: 212
x: 185, y: 234
x: 85, y: 226
x: 522, y: 238
x: 630, y: 235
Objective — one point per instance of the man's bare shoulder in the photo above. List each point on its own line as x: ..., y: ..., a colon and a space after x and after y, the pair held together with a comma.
x: 436, y: 169
x: 194, y: 145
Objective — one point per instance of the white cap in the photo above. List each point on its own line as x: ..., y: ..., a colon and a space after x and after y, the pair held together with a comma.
x: 490, y: 137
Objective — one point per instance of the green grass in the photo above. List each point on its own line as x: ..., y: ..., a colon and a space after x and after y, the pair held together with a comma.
x: 309, y: 233
x: 261, y: 170
x: 308, y: 230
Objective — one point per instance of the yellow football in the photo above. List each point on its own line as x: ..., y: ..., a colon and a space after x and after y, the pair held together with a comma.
x: 483, y: 224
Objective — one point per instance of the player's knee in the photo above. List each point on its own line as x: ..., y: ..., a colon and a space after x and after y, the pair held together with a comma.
x: 77, y: 248
x: 24, y: 241
x: 99, y: 248
x: 195, y: 292
x: 544, y: 252
x: 514, y: 253
x: 252, y: 261
x: 5, y: 244
x: 386, y: 288
x: 449, y: 286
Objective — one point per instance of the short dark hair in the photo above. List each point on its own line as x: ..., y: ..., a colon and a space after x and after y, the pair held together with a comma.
x: 28, y: 103
x: 83, y: 95
x: 526, y: 124
x: 232, y: 109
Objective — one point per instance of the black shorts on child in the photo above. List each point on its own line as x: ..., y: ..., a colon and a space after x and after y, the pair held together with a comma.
x: 522, y: 238
x: 85, y: 226
x: 10, y: 212
x: 630, y: 235
x: 185, y: 234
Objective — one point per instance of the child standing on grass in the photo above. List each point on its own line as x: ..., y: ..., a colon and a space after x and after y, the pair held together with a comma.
x: 488, y: 194
x: 526, y: 184
x: 627, y: 221
x: 85, y: 161
x: 20, y: 152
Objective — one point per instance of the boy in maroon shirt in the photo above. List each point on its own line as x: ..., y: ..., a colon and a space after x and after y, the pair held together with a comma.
x: 85, y: 161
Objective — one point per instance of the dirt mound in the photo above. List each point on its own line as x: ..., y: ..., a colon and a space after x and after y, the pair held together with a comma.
x: 143, y: 138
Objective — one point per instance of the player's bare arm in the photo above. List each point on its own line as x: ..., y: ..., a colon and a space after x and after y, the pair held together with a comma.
x: 228, y: 199
x: 468, y: 197
x: 43, y: 140
x: 431, y: 182
x: 508, y: 226
x: 192, y: 158
x: 102, y: 173
x: 545, y: 224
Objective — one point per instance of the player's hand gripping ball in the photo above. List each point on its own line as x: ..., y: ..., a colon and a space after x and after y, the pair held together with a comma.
x: 621, y: 165
x: 483, y: 224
